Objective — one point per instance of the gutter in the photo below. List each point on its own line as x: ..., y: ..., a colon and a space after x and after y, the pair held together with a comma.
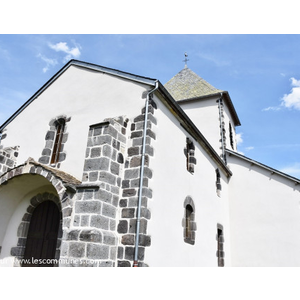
x: 137, y: 236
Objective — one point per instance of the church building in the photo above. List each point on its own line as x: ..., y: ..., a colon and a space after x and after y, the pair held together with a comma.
x: 104, y: 168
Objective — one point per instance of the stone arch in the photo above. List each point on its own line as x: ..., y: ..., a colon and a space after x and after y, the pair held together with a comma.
x: 63, y: 189
x: 23, y: 228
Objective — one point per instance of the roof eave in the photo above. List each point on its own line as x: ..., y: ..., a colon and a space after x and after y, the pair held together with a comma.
x: 254, y: 162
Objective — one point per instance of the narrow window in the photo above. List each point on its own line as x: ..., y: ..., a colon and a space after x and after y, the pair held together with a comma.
x: 218, y: 182
x: 189, y: 223
x: 231, y: 136
x: 220, y: 246
x: 188, y: 213
x: 60, y: 126
x: 190, y: 156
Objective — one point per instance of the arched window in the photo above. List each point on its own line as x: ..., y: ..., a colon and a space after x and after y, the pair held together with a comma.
x: 189, y: 223
x: 60, y: 127
x: 220, y: 246
x: 42, y: 236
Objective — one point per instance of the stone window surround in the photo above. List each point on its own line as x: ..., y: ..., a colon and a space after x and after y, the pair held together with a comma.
x: 189, y: 152
x: 191, y: 236
x: 220, y: 245
x: 50, y: 139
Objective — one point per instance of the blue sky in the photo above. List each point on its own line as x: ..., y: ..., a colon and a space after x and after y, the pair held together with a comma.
x: 260, y: 72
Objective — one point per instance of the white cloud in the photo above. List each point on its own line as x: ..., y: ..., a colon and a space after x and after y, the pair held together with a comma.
x: 239, y: 139
x: 292, y: 100
x: 293, y: 170
x: 274, y: 108
x: 249, y: 148
x: 49, y: 62
x: 63, y: 47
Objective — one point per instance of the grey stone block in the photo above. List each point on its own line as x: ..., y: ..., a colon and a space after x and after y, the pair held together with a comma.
x: 110, y: 131
x: 72, y: 235
x: 133, y: 151
x: 132, y: 173
x: 109, y: 238
x: 129, y: 192
x: 120, y: 158
x: 106, y: 150
x: 108, y: 210
x: 114, y: 168
x: 96, y: 164
x: 128, y: 239
x: 46, y: 152
x: 96, y: 152
x: 50, y: 135
x: 128, y: 212
x: 76, y: 249
x: 107, y: 177
x: 95, y: 251
x: 87, y: 207
x: 91, y: 235
x: 93, y: 176
x: 99, y: 222
x: 44, y: 160
x: 122, y: 226
x: 103, y: 195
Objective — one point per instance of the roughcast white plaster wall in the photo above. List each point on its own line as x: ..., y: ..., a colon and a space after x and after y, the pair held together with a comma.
x: 171, y: 184
x: 264, y: 217
x: 88, y: 97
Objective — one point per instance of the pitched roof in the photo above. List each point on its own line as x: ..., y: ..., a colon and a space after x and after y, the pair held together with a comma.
x: 187, y: 84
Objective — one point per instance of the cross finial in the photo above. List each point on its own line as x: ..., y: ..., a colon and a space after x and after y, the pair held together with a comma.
x: 186, y: 59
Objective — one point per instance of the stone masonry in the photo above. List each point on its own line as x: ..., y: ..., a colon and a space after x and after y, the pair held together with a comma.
x: 130, y: 188
x: 92, y: 238
x: 49, y: 142
x: 8, y: 158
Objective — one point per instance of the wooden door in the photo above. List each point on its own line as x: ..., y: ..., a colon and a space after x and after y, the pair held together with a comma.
x: 42, y: 236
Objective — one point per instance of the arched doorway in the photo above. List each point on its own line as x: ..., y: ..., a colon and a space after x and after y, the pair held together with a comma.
x: 42, y: 236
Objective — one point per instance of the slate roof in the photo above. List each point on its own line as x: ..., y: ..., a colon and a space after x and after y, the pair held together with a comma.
x: 187, y: 84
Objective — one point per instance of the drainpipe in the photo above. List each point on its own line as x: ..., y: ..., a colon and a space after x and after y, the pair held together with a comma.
x: 136, y: 252
x: 222, y: 131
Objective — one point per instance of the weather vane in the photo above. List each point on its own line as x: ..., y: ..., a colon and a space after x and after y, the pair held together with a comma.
x: 186, y: 59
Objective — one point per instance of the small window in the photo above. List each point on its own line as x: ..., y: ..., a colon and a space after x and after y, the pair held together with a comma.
x: 231, y: 136
x: 189, y: 223
x: 220, y: 246
x: 190, y: 156
x: 60, y: 126
x: 218, y: 182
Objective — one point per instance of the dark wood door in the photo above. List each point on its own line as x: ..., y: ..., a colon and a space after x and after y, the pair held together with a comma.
x: 42, y: 236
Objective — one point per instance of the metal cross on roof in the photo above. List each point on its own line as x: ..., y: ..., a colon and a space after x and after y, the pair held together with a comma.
x: 186, y: 59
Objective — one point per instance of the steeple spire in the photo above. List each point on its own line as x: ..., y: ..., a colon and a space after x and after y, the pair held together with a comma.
x: 186, y: 59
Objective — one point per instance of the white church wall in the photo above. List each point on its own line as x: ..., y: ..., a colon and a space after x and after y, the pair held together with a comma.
x: 87, y: 97
x: 264, y: 217
x: 171, y: 184
x: 205, y: 115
